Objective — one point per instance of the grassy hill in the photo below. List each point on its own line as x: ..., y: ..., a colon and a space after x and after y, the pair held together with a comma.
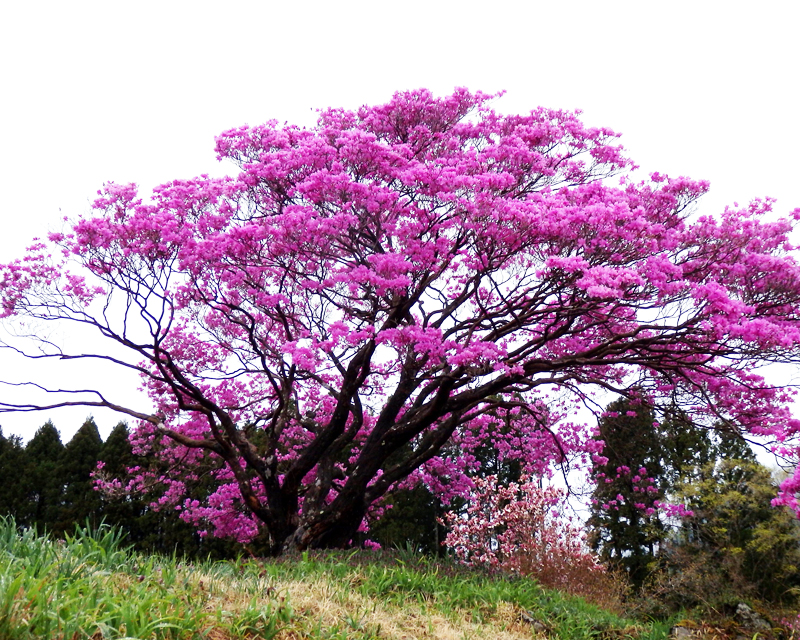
x: 91, y: 586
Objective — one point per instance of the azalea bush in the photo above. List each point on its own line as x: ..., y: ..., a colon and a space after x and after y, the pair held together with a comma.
x: 522, y: 528
x: 368, y: 302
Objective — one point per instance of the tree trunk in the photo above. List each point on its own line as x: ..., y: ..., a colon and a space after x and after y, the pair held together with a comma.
x: 327, y: 530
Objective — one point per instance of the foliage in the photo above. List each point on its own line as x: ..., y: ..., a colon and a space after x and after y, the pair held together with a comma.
x: 400, y: 278
x: 689, y: 448
x: 41, y: 478
x: 79, y: 502
x: 738, y: 535
x: 624, y: 523
x: 12, y: 488
x: 733, y: 546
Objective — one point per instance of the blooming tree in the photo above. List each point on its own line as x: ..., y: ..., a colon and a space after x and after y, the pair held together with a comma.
x: 521, y: 528
x: 399, y: 279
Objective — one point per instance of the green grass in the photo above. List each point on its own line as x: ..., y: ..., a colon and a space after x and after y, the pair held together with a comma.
x: 92, y: 586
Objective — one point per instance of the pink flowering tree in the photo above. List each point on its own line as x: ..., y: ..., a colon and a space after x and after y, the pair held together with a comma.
x: 398, y: 280
x: 523, y: 528
x: 520, y: 528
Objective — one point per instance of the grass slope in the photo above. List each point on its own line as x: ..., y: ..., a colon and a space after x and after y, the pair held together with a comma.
x: 90, y: 586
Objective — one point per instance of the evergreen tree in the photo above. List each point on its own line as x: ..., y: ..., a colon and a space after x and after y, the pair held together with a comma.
x: 123, y: 511
x: 116, y: 453
x: 44, y: 487
x: 624, y: 530
x: 686, y: 448
x: 648, y: 455
x: 12, y: 465
x: 80, y: 502
x: 411, y: 522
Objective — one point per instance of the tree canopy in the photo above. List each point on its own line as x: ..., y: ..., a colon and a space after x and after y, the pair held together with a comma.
x: 428, y: 272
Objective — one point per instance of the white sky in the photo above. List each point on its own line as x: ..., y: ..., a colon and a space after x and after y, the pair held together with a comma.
x: 135, y: 92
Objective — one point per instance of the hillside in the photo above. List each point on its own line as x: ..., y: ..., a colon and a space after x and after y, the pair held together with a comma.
x: 91, y: 586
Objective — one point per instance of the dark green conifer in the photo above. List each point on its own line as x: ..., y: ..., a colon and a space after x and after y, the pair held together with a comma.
x: 44, y: 486
x: 116, y: 452
x: 80, y: 502
x: 12, y: 465
x: 625, y: 527
x: 624, y: 534
x: 122, y: 511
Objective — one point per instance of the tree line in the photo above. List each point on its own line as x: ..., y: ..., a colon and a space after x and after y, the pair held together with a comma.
x: 726, y: 540
x: 48, y: 485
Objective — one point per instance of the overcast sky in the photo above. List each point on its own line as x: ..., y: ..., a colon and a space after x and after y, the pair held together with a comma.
x: 135, y: 92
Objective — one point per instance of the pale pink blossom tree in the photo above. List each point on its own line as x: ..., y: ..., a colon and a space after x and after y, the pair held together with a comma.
x: 523, y: 528
x: 519, y: 528
x: 399, y: 279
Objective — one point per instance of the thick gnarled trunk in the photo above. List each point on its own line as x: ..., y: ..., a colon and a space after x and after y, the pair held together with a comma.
x: 331, y: 530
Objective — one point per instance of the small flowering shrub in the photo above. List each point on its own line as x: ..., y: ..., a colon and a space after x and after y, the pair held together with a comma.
x: 522, y: 529
x: 792, y: 625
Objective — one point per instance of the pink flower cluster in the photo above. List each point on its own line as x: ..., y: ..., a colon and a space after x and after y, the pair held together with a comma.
x: 640, y: 483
